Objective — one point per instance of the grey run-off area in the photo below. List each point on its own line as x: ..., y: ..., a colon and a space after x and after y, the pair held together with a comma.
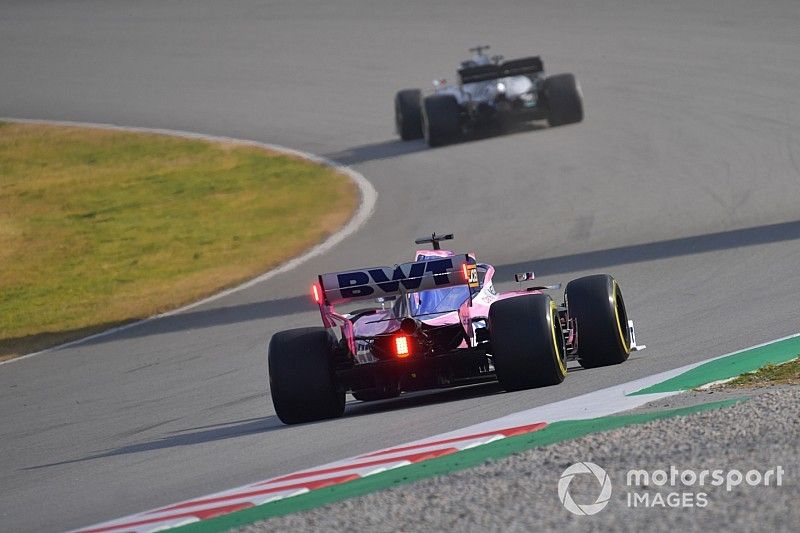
x: 682, y: 182
x: 519, y: 493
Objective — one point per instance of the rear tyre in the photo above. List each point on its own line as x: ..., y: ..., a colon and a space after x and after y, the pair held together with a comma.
x: 441, y: 122
x: 563, y: 99
x: 527, y: 343
x: 408, y: 114
x: 301, y: 378
x: 596, y: 303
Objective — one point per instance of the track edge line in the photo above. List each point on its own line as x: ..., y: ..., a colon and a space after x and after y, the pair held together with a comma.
x: 365, y: 209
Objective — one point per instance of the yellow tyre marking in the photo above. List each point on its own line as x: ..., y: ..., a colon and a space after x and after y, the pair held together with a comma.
x: 556, y: 344
x: 625, y: 345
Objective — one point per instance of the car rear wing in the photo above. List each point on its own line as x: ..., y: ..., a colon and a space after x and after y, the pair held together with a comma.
x: 383, y: 282
x: 479, y: 73
x: 522, y: 66
x: 515, y: 67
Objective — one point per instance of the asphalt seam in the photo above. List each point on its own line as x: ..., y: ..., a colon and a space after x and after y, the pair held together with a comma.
x: 366, y: 206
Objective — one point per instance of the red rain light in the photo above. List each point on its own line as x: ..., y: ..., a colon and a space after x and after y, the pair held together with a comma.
x: 315, y: 292
x: 401, y: 346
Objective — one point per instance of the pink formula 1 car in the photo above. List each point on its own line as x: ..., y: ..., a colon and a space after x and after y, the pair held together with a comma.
x: 440, y: 323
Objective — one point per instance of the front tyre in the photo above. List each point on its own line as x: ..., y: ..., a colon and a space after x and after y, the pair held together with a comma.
x: 408, y: 114
x: 527, y: 343
x: 564, y: 100
x: 441, y: 119
x: 301, y: 378
x: 596, y: 304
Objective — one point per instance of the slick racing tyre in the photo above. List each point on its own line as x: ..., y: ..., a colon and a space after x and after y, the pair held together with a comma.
x: 301, y: 378
x: 408, y: 114
x: 441, y: 122
x: 596, y: 304
x: 563, y: 99
x: 527, y: 343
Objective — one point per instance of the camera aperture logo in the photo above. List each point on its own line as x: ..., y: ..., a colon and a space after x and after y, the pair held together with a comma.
x: 602, y: 478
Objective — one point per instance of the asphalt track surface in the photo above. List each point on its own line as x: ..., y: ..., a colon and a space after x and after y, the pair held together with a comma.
x: 682, y: 181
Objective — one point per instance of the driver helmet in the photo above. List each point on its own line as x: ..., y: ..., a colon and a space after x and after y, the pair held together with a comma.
x: 481, y: 59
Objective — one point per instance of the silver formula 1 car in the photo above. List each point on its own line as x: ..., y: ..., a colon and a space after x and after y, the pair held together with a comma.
x: 491, y: 93
x: 440, y: 322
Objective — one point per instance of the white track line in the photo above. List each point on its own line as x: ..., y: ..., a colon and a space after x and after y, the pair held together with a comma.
x: 365, y: 209
x: 595, y: 404
x: 603, y: 402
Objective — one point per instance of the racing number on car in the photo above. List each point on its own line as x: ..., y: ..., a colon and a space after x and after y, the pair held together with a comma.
x: 472, y: 276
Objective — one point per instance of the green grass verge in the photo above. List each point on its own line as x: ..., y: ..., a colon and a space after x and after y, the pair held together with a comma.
x: 730, y: 366
x: 787, y: 373
x: 102, y: 227
x: 551, y: 434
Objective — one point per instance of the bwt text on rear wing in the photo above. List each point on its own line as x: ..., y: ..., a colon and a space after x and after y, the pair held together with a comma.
x: 382, y: 282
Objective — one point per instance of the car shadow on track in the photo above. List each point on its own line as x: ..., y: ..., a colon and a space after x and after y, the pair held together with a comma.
x: 186, y: 437
x: 397, y: 148
x: 640, y: 253
x: 422, y: 398
x: 429, y: 397
x: 205, y: 318
x: 377, y: 151
x: 252, y: 426
x: 594, y: 260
